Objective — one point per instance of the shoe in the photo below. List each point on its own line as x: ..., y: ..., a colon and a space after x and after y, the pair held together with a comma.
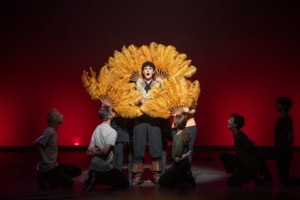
x: 136, y: 182
x: 89, y: 183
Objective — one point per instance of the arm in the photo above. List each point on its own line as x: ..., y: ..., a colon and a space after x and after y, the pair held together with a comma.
x: 101, y: 152
x: 183, y: 156
x: 104, y: 151
x: 189, y: 113
x: 291, y: 137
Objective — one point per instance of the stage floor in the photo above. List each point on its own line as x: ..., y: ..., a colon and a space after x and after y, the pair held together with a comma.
x: 17, y: 181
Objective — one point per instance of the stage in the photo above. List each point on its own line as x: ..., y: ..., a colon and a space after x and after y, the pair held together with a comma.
x: 17, y: 181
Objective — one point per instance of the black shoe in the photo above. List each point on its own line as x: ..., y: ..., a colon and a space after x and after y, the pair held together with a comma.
x: 89, y: 184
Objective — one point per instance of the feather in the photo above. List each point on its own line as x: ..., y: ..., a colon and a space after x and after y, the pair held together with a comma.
x: 116, y: 82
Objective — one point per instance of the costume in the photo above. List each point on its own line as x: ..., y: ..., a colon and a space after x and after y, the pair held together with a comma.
x: 283, y: 146
x: 120, y: 85
x: 243, y: 165
x: 281, y: 152
x: 49, y: 171
x: 179, y: 173
x: 192, y: 129
x: 101, y: 168
x: 146, y: 128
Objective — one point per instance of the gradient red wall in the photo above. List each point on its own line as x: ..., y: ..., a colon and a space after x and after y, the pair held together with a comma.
x: 247, y: 55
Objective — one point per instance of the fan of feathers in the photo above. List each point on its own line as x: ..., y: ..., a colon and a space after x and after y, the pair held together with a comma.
x: 114, y: 84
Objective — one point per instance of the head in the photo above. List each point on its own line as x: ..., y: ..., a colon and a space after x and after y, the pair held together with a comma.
x: 54, y: 118
x: 283, y: 104
x: 105, y: 113
x: 180, y: 122
x: 236, y: 121
x: 148, y: 70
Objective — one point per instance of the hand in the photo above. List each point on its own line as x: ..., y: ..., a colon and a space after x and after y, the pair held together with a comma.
x: 90, y: 153
x: 93, y: 151
x: 185, y: 109
x: 187, y: 154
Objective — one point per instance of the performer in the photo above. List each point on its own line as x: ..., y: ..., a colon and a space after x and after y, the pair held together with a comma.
x: 190, y: 125
x: 146, y: 129
x: 101, y: 148
x: 179, y: 174
x: 244, y: 163
x: 49, y: 170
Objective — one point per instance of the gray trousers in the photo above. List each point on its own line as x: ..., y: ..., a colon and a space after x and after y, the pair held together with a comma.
x: 142, y: 133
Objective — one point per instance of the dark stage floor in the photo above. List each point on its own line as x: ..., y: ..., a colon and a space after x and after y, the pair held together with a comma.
x: 17, y: 181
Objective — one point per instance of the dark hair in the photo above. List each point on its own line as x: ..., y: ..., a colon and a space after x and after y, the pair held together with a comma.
x: 239, y: 120
x: 104, y: 113
x: 180, y: 123
x: 50, y: 116
x: 285, y: 101
x: 148, y: 63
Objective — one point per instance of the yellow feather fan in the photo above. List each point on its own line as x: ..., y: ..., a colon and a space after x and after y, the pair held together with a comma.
x: 158, y: 103
x: 115, y: 84
x: 111, y: 89
x: 181, y: 93
x: 90, y: 84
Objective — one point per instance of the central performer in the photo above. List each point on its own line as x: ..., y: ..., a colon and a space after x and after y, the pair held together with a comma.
x: 145, y: 129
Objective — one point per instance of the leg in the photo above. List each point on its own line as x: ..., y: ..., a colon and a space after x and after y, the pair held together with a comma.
x: 89, y: 183
x: 118, y: 156
x: 168, y: 178
x: 42, y: 178
x: 139, y: 145
x: 155, y: 149
x: 163, y: 160
x: 113, y: 178
x: 65, y: 173
x: 283, y: 162
x: 193, y: 133
x: 263, y: 155
x: 70, y: 170
x: 129, y: 159
x: 229, y: 161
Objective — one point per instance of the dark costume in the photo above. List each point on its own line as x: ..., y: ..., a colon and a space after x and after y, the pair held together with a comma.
x: 179, y: 174
x: 243, y: 164
x: 281, y: 151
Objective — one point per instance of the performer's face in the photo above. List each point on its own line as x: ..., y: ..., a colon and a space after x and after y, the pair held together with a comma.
x: 231, y: 123
x: 148, y: 72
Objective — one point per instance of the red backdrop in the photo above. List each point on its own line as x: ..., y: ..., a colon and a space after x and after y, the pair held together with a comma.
x: 246, y: 56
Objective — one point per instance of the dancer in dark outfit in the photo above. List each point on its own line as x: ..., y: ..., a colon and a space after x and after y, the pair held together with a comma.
x: 243, y: 165
x: 283, y: 141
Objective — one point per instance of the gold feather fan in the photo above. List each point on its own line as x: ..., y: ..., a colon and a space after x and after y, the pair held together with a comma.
x: 181, y: 93
x: 112, y: 90
x: 157, y: 105
x: 116, y: 83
